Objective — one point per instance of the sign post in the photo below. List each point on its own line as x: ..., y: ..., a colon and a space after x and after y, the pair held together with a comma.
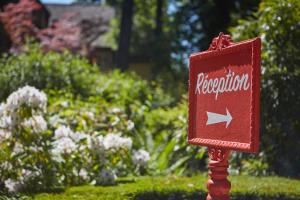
x: 224, y: 109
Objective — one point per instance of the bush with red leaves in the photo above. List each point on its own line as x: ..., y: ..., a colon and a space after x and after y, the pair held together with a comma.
x: 20, y: 20
x: 72, y: 33
x: 23, y: 19
x: 62, y: 34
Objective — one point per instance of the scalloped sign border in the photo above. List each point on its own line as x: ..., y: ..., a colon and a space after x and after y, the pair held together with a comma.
x: 198, y: 134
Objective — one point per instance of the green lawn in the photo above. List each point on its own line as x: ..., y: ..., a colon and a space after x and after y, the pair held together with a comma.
x: 175, y: 188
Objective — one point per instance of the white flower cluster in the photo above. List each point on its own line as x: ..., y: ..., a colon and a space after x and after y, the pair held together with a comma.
x: 64, y: 146
x: 95, y: 145
x: 12, y: 185
x: 62, y: 132
x: 7, y: 118
x: 130, y: 125
x: 116, y: 110
x: 82, y: 173
x: 36, y: 123
x: 114, y: 142
x: 16, y: 185
x: 90, y: 115
x: 28, y: 96
x: 140, y: 157
x: 66, y: 141
x: 25, y: 96
x: 18, y: 148
x: 4, y: 135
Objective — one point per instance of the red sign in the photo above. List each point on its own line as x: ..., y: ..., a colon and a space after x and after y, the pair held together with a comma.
x: 224, y: 93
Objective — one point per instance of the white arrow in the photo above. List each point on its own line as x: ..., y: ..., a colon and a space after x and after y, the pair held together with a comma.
x: 213, y: 118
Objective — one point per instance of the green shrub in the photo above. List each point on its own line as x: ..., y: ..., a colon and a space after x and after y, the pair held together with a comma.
x: 159, y: 130
x: 76, y: 88
x: 277, y: 23
x: 167, y: 127
x: 46, y: 71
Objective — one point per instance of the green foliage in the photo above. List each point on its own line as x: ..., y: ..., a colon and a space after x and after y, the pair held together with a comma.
x: 127, y: 89
x: 277, y: 23
x: 173, y: 187
x: 241, y: 163
x: 46, y: 71
x: 169, y: 148
x: 77, y: 91
x: 37, y: 155
x: 158, y: 129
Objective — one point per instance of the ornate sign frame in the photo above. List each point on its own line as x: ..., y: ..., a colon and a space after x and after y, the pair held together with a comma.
x: 223, y: 45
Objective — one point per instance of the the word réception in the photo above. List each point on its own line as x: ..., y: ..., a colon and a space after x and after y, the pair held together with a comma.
x: 231, y: 82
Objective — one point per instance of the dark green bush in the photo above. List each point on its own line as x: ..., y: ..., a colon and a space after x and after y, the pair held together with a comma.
x: 277, y: 23
x: 46, y: 71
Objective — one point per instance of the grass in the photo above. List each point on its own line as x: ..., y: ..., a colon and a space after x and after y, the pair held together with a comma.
x: 183, y: 188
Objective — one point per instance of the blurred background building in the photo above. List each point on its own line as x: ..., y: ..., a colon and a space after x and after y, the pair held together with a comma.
x: 80, y: 28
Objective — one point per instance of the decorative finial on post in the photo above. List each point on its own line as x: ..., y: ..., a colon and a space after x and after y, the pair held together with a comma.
x: 220, y: 42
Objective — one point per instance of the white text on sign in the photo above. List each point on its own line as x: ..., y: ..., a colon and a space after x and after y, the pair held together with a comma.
x: 228, y: 83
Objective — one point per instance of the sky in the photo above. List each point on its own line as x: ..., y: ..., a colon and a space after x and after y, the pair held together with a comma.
x: 57, y: 1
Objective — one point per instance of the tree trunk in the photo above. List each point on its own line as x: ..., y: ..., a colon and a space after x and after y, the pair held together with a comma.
x: 122, y: 57
x: 158, y: 20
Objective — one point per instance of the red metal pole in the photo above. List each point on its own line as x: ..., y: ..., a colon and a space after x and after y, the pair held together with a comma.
x: 218, y: 186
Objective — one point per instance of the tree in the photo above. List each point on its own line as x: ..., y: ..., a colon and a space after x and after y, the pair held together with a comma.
x: 277, y: 23
x: 159, y: 18
x: 122, y: 58
x: 196, y: 22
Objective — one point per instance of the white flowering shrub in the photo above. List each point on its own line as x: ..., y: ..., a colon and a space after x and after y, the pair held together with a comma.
x: 97, y: 104
x: 84, y: 158
x: 112, y: 135
x: 25, y: 141
x: 41, y: 149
